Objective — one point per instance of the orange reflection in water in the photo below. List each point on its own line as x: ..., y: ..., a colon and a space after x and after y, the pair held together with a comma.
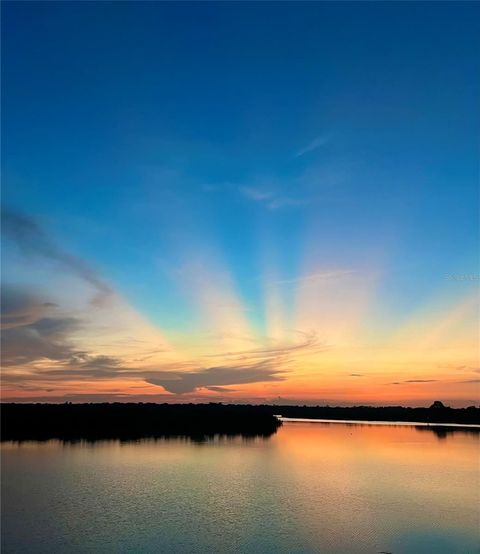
x: 355, y: 476
x: 312, y: 487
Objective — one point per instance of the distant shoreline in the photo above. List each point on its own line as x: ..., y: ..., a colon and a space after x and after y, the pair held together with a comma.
x: 386, y: 423
x: 131, y: 421
x: 436, y: 414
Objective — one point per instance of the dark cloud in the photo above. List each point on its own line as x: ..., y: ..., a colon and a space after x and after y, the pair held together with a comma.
x: 245, y: 366
x: 471, y: 381
x: 20, y: 307
x: 176, y: 382
x: 415, y: 381
x: 30, y: 329
x: 44, y: 339
x: 356, y: 375
x: 220, y: 389
x: 88, y: 361
x: 82, y: 364
x: 185, y: 382
x: 33, y: 241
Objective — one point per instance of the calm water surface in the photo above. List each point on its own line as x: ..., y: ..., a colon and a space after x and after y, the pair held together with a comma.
x: 311, y: 488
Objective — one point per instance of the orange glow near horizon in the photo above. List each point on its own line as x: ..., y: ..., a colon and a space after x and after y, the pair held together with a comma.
x: 331, y: 354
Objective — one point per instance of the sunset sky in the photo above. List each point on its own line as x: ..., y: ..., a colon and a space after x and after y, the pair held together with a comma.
x: 231, y: 202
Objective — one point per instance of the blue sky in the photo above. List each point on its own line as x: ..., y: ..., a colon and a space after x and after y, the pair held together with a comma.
x: 256, y: 141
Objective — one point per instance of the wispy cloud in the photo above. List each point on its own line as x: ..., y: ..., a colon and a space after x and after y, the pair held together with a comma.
x: 256, y: 194
x: 453, y: 366
x: 313, y: 145
x: 308, y: 342
x: 415, y: 381
x: 34, y: 241
x: 220, y: 389
x: 421, y: 381
x: 315, y: 277
x: 304, y: 186
x: 31, y: 330
x: 271, y: 199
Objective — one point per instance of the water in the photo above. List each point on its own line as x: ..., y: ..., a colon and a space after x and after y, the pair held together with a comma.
x: 311, y: 488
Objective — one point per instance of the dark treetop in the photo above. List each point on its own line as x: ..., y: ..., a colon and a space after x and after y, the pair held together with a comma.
x: 436, y: 413
x: 132, y: 421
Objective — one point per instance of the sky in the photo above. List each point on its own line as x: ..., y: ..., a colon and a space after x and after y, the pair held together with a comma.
x: 241, y: 202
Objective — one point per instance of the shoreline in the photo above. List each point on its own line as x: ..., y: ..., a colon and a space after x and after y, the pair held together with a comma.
x: 380, y: 422
x: 136, y: 420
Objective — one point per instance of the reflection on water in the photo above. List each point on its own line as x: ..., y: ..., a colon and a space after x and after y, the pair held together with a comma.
x: 438, y: 429
x: 312, y: 487
x: 443, y: 432
x: 191, y: 439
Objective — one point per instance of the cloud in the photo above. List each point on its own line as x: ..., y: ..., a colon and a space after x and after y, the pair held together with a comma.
x: 50, y: 338
x: 43, y: 336
x: 220, y: 389
x: 306, y: 187
x: 33, y: 241
x: 313, y: 278
x: 285, y: 201
x: 415, y: 381
x: 19, y: 307
x: 315, y: 144
x: 255, y: 365
x: 467, y: 368
x: 256, y: 194
x: 356, y: 375
x: 244, y: 367
x: 185, y: 382
x: 270, y: 199
x: 44, y: 339
x: 40, y: 347
x: 472, y: 368
x: 279, y: 351
x: 421, y: 381
x: 30, y: 329
x: 88, y: 361
x: 176, y: 381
